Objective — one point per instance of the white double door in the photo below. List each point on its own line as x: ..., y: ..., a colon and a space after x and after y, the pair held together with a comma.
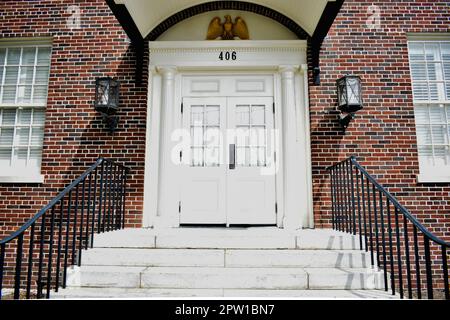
x: 227, y: 174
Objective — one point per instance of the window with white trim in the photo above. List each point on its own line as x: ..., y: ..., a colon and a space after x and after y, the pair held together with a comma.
x: 430, y: 72
x: 24, y: 73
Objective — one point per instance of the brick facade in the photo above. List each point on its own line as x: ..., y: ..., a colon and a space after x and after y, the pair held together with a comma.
x: 75, y: 134
x: 382, y: 136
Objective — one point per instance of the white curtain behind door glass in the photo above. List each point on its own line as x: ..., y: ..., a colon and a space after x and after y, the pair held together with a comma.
x: 251, y: 135
x: 205, y: 135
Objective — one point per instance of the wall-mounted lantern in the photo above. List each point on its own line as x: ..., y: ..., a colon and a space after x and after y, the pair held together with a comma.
x: 107, y: 100
x: 349, y: 98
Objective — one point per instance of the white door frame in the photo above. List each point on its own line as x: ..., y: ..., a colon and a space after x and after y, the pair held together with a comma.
x: 287, y: 61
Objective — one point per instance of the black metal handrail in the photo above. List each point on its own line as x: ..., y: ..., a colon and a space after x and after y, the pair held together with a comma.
x: 362, y: 206
x: 36, y: 256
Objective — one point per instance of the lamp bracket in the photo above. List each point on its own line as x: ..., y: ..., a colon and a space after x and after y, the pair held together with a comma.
x: 111, y: 122
x: 345, y: 119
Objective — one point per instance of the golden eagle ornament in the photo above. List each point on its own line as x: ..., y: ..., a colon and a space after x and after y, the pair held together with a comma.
x: 227, y: 30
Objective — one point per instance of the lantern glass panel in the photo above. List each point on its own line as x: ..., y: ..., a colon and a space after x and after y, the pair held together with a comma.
x: 342, y: 92
x: 107, y: 95
x: 349, y: 94
x: 103, y: 94
x: 353, y: 91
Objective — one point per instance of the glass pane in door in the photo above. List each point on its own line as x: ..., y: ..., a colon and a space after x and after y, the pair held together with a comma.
x: 251, y: 133
x: 205, y: 135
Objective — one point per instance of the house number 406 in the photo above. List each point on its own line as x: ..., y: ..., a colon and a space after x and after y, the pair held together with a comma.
x: 227, y: 55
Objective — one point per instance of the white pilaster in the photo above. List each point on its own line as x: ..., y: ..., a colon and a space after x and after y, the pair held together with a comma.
x: 153, y: 130
x: 167, y: 204
x: 292, y: 171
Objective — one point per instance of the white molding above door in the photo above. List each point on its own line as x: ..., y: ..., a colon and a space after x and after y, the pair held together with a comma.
x: 249, y: 55
x: 286, y: 64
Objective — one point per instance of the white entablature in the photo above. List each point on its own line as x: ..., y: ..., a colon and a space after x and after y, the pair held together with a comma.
x: 260, y: 54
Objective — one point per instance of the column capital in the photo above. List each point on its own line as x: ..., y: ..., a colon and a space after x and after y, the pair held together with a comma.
x: 304, y: 68
x: 167, y: 72
x: 288, y: 71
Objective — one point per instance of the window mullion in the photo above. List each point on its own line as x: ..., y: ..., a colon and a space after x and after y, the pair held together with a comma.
x: 34, y: 75
x: 431, y: 134
x: 427, y: 77
x: 4, y: 75
x: 29, y: 136
x: 441, y: 64
x: 447, y: 132
x: 14, y: 144
x: 19, y: 70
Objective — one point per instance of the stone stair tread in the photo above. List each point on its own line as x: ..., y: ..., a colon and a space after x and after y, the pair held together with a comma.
x: 153, y: 257
x: 225, y: 257
x: 251, y: 238
x: 311, y: 294
x: 299, y: 258
x: 142, y: 293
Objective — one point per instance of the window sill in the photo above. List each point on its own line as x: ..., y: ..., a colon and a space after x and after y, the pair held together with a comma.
x: 22, y: 179
x: 428, y: 178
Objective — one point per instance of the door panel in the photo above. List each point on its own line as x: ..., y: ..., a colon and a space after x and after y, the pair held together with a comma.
x: 251, y: 193
x: 224, y: 180
x: 203, y: 186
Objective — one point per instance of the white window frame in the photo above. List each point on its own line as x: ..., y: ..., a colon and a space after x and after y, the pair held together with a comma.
x: 24, y: 176
x: 429, y: 174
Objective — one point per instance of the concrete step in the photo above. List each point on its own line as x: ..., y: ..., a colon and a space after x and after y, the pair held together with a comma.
x: 226, y: 257
x: 227, y: 242
x: 319, y: 239
x: 138, y: 293
x: 226, y: 278
x: 154, y: 257
x: 227, y: 238
x: 343, y: 278
x: 297, y: 258
x: 126, y: 238
x: 191, y: 277
x: 132, y: 293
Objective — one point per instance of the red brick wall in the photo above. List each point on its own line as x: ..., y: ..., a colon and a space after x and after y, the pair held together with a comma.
x: 383, y: 134
x: 74, y: 133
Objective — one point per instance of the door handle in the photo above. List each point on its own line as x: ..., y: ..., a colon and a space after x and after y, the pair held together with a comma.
x: 232, y: 164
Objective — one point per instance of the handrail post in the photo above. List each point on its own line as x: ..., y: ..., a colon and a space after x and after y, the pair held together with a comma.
x: 2, y: 262
x: 30, y: 261
x: 18, y: 267
x: 333, y: 200
x: 127, y: 172
x: 94, y: 200
x: 445, y: 272
x: 359, y: 206
x: 100, y: 197
x: 350, y: 168
x: 426, y: 242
